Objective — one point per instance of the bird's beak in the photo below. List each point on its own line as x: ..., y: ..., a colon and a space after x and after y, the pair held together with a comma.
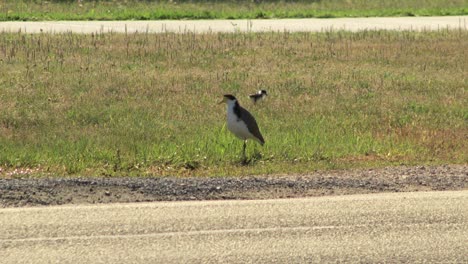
x: 222, y: 101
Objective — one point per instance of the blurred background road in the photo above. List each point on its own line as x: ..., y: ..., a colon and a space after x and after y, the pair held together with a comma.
x: 396, y: 227
x: 258, y: 25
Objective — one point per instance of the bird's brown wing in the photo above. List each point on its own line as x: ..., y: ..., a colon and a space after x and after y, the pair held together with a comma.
x: 251, y: 125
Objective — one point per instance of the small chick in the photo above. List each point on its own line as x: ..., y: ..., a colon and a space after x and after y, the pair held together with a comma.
x: 258, y: 96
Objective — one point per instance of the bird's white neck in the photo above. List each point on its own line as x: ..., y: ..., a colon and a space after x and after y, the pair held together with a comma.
x: 231, y: 108
x: 231, y: 104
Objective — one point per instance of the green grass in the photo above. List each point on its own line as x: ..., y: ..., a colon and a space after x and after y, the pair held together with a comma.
x: 33, y: 10
x: 146, y: 104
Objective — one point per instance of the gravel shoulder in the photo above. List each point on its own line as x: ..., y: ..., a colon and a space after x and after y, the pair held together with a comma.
x: 57, y: 191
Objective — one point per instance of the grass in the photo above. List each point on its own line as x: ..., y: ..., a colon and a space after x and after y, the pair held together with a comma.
x: 33, y: 10
x: 146, y: 104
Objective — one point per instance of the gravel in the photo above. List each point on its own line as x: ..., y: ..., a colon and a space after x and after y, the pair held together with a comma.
x: 57, y: 191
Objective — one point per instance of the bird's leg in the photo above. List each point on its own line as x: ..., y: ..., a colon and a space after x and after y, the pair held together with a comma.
x: 243, y: 149
x: 244, y: 158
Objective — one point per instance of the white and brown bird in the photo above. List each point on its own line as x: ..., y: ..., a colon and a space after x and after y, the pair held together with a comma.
x: 258, y: 96
x: 241, y: 123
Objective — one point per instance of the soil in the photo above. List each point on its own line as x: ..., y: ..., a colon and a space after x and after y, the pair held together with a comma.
x: 57, y: 191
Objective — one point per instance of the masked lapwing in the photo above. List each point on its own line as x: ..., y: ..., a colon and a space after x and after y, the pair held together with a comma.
x: 241, y: 123
x: 258, y: 96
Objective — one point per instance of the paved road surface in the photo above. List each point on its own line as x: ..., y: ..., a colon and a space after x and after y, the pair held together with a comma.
x: 401, y: 227
x: 314, y: 24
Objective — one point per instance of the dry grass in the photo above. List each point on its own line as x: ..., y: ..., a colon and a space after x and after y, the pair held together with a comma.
x: 117, y: 104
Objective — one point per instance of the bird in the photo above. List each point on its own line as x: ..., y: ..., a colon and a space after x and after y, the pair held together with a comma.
x: 241, y: 123
x: 258, y: 96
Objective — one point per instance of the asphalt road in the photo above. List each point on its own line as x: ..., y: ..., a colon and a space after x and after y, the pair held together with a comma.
x: 397, y: 227
x: 258, y: 25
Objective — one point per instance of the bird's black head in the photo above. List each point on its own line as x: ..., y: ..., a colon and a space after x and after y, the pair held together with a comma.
x: 229, y: 97
x: 263, y: 92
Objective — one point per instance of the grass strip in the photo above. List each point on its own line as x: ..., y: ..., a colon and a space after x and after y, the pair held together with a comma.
x: 32, y: 10
x: 146, y: 104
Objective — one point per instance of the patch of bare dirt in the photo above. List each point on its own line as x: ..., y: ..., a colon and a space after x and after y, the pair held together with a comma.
x: 55, y: 191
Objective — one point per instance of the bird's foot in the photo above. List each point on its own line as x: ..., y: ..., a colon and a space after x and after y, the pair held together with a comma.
x: 251, y: 160
x: 245, y: 161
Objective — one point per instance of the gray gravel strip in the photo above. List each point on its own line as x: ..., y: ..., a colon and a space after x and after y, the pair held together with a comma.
x: 54, y: 191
